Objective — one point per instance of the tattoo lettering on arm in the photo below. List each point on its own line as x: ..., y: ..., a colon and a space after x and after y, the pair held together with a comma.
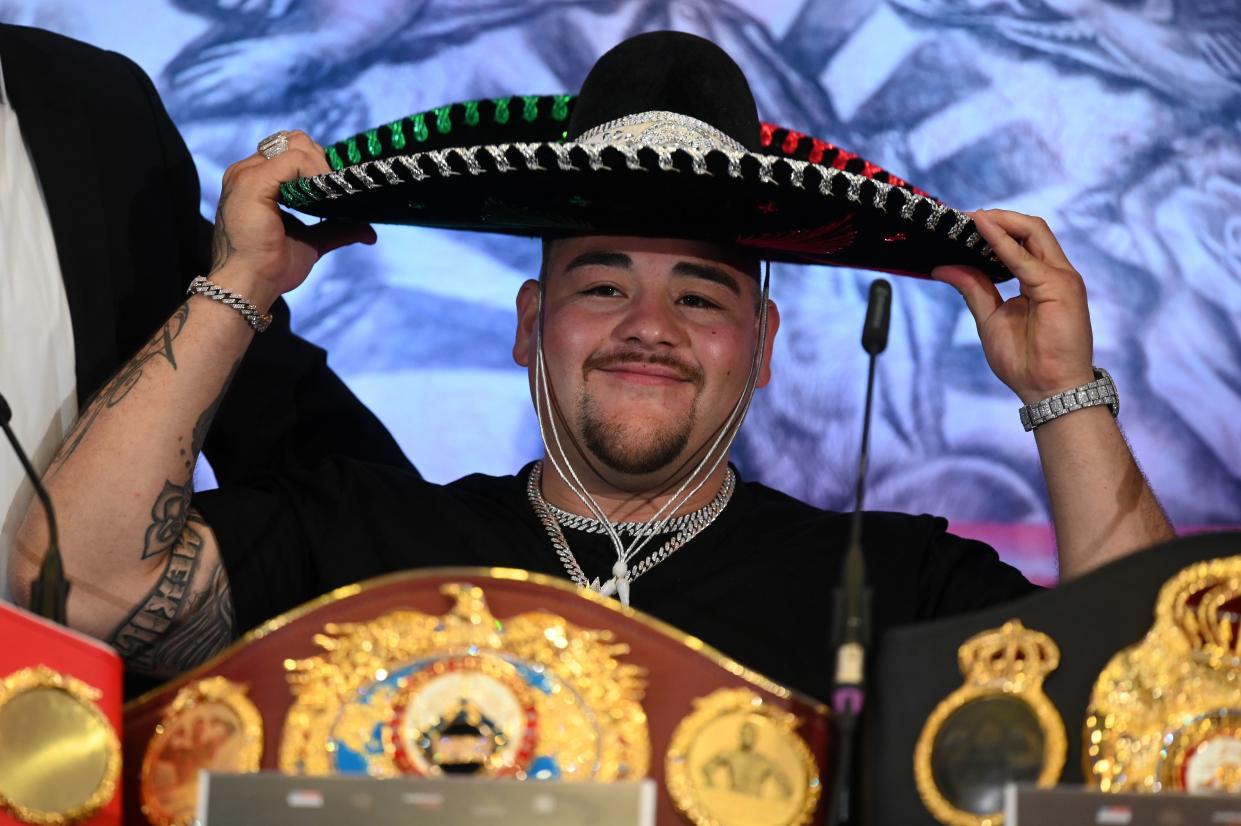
x: 208, y: 627
x: 136, y: 636
x: 115, y: 391
x: 164, y: 634
x: 176, y: 627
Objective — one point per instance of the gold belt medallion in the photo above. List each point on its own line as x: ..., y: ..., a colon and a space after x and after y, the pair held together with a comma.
x: 532, y: 696
x: 211, y: 725
x: 997, y: 727
x: 59, y: 756
x: 737, y: 760
x: 1165, y: 714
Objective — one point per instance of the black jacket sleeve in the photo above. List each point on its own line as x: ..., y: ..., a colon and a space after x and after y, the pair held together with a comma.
x: 285, y: 409
x: 127, y: 262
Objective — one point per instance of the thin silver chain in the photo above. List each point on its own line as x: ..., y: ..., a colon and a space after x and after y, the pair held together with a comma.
x: 686, y: 526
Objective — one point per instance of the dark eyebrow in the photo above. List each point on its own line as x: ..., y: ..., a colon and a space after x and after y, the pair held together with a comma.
x: 707, y: 272
x: 688, y: 269
x: 602, y: 258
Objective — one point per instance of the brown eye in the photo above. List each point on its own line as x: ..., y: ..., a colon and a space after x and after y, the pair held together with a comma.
x: 698, y: 302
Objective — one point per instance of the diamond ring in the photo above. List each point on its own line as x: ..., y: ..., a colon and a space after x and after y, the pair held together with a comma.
x: 273, y: 145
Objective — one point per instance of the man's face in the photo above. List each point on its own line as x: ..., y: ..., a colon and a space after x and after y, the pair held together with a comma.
x: 648, y: 344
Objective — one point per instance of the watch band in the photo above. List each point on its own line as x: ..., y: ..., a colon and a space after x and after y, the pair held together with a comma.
x: 1100, y: 391
x: 201, y: 286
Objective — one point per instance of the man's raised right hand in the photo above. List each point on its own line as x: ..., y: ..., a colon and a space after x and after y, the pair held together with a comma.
x: 259, y: 250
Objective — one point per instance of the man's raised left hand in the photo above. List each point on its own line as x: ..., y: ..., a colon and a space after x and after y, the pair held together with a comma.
x: 1038, y: 342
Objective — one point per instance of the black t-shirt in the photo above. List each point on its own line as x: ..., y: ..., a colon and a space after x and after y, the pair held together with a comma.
x: 755, y: 584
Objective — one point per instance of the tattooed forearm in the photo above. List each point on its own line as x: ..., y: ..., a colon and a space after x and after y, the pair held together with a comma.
x: 137, y: 635
x: 112, y: 393
x: 207, y: 628
x: 171, y: 507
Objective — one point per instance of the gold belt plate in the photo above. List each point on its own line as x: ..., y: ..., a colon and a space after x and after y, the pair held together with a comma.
x: 532, y: 696
x: 211, y: 724
x: 1165, y: 714
x: 738, y: 761
x: 59, y: 756
x: 998, y: 726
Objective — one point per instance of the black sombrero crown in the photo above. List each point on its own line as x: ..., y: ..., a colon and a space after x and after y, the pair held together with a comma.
x: 664, y: 140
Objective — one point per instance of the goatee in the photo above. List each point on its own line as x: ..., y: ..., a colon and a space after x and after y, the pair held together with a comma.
x: 625, y: 451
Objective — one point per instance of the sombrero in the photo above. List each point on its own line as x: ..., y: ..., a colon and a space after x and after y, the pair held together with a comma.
x: 663, y: 140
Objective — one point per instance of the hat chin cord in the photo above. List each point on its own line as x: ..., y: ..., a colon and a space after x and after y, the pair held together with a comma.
x: 710, y: 462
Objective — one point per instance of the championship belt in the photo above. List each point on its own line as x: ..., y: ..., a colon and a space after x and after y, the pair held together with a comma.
x: 60, y: 707
x: 482, y: 672
x: 996, y: 728
x: 1165, y: 714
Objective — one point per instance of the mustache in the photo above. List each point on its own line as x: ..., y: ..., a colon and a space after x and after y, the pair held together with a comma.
x: 613, y: 359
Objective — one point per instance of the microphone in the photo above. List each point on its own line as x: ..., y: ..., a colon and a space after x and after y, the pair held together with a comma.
x: 878, y: 316
x: 851, y: 624
x: 50, y: 591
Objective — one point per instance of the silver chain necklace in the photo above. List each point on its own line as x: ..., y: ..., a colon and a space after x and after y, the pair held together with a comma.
x: 687, y: 526
x: 587, y: 524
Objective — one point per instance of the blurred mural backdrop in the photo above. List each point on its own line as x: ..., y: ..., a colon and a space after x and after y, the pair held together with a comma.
x: 1119, y: 121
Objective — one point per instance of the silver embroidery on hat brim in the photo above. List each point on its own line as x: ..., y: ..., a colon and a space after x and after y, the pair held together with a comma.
x: 319, y: 181
x: 698, y: 162
x: 440, y: 158
x: 797, y: 173
x: 881, y: 195
x: 528, y: 151
x: 471, y: 161
x: 339, y: 179
x: 765, y: 164
x: 962, y: 222
x: 410, y: 162
x: 562, y: 157
x: 911, y: 203
x: 632, y: 161
x: 827, y: 174
x: 663, y: 156
x: 385, y: 167
x: 499, y: 154
x: 359, y: 172
x: 855, y: 188
x: 594, y: 156
x: 938, y: 211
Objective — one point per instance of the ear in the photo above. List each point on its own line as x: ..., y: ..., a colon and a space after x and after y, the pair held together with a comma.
x: 773, y: 324
x: 527, y: 322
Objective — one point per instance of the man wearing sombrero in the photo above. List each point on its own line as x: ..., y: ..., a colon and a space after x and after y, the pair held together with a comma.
x: 658, y: 192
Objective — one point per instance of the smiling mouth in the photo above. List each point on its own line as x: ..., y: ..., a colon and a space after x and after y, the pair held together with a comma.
x: 652, y: 375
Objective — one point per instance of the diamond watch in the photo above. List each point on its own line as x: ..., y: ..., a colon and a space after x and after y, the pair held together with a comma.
x: 1100, y: 391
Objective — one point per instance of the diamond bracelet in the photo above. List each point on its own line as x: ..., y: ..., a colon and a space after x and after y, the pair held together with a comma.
x: 1100, y: 391
x: 201, y: 286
